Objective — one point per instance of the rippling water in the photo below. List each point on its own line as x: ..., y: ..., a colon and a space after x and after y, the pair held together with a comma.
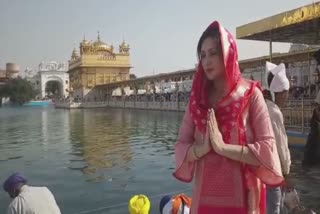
x: 98, y: 158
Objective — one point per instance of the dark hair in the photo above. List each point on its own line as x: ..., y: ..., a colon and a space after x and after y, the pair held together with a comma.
x: 212, y: 32
x: 270, y: 78
x: 267, y: 93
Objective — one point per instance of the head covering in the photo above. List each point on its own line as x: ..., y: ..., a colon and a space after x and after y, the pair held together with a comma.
x: 280, y: 80
x: 16, y: 178
x: 139, y: 204
x: 199, y: 103
x: 164, y: 200
x: 179, y: 204
x: 229, y: 113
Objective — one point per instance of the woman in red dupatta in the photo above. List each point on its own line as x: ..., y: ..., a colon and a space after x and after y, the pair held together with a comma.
x: 226, y: 143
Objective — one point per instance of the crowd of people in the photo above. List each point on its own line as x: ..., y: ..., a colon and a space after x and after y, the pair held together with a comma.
x: 158, y: 97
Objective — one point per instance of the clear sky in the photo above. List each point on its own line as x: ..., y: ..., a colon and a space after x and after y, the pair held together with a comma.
x: 162, y: 34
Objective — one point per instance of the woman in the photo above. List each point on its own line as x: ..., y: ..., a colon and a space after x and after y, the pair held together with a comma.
x: 226, y: 142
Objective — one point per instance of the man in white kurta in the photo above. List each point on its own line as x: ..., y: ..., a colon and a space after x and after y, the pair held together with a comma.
x: 29, y: 199
x: 278, y: 86
x: 280, y: 136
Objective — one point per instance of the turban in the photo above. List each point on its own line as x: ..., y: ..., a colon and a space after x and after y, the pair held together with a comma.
x: 280, y: 81
x: 179, y: 204
x: 139, y: 204
x: 10, y: 184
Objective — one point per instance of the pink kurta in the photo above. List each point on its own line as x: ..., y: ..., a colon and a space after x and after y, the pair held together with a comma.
x: 221, y: 184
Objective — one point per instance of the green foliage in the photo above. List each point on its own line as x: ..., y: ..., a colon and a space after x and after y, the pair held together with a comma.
x: 18, y: 90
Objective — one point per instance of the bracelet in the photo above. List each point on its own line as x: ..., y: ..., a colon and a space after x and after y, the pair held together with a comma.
x: 194, y: 153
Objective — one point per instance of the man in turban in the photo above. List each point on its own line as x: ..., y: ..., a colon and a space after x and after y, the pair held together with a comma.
x: 179, y: 204
x: 139, y: 204
x: 276, y: 96
x: 29, y: 199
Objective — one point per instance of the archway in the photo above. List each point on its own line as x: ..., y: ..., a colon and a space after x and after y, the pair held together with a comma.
x: 53, y: 89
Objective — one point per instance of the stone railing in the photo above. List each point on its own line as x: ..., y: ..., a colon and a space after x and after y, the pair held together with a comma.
x: 296, y: 114
x: 150, y: 105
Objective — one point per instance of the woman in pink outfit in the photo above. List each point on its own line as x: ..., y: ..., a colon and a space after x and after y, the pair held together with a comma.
x: 226, y: 143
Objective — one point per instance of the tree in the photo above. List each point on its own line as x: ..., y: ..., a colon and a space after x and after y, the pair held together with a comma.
x: 18, y: 90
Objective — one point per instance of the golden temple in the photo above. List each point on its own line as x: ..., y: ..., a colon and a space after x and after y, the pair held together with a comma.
x: 97, y: 63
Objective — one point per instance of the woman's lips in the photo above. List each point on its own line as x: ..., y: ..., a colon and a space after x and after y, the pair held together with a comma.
x: 209, y: 70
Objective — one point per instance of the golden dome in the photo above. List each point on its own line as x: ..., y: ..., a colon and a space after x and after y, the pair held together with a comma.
x: 75, y: 54
x: 101, y: 46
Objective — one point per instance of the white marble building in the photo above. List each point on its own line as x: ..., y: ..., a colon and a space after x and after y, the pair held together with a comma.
x: 51, y: 71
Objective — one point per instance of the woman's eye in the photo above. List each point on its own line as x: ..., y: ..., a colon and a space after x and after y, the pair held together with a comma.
x: 214, y: 53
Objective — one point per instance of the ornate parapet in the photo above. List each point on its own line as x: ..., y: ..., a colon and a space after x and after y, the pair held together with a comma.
x: 53, y: 66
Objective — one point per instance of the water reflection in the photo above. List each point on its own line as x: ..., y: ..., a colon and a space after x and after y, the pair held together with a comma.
x: 54, y: 127
x: 99, y: 157
x: 100, y: 143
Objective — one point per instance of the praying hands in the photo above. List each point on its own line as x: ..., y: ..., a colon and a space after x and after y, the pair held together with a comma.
x: 214, y: 133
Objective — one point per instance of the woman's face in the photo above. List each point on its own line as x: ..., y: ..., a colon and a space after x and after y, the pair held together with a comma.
x: 211, y: 59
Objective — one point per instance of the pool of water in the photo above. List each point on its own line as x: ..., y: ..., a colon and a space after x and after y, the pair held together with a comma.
x: 99, y: 158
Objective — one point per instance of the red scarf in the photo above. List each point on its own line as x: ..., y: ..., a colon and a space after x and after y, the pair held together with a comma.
x: 228, y: 115
x: 199, y: 103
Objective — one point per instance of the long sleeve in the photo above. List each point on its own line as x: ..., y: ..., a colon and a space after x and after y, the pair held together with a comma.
x: 184, y: 169
x: 18, y: 206
x: 34, y: 200
x: 11, y: 210
x: 281, y: 142
x: 263, y: 142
